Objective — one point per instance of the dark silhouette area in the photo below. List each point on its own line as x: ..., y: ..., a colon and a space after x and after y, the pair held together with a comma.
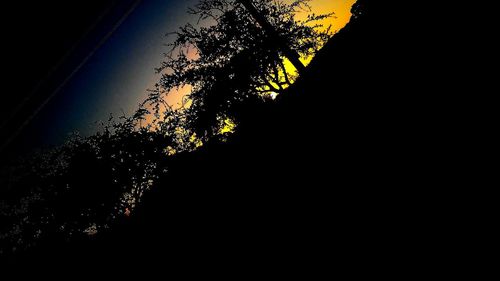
x: 309, y: 181
x: 281, y: 43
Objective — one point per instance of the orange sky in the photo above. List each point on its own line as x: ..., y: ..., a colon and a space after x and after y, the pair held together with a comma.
x: 341, y: 8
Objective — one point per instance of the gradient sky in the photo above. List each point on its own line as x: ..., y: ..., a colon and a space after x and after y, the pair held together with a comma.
x: 116, y: 77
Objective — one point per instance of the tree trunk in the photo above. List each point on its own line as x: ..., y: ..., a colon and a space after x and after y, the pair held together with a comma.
x: 273, y: 34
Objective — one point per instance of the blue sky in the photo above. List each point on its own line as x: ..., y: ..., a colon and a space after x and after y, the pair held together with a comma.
x: 116, y: 77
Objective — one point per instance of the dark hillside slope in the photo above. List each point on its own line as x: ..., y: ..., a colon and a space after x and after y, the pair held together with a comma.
x: 324, y: 170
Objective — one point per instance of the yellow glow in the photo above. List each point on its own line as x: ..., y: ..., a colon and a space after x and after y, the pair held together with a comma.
x: 342, y: 10
x: 170, y: 151
x: 195, y: 140
x: 342, y: 16
x: 186, y: 143
x: 227, y: 126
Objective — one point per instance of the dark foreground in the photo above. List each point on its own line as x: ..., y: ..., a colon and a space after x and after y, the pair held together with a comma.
x: 321, y: 179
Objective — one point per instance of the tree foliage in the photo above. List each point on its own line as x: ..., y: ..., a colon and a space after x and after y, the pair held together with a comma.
x: 227, y: 57
x: 88, y: 184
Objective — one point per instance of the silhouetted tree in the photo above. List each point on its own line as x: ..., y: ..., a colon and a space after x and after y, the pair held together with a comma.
x: 275, y: 37
x: 237, y: 50
x: 236, y: 53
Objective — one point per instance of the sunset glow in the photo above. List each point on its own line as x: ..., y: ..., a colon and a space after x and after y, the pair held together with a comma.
x: 342, y: 15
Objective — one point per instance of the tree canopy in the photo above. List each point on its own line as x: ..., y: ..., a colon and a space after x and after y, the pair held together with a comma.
x: 231, y: 55
x: 228, y: 57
